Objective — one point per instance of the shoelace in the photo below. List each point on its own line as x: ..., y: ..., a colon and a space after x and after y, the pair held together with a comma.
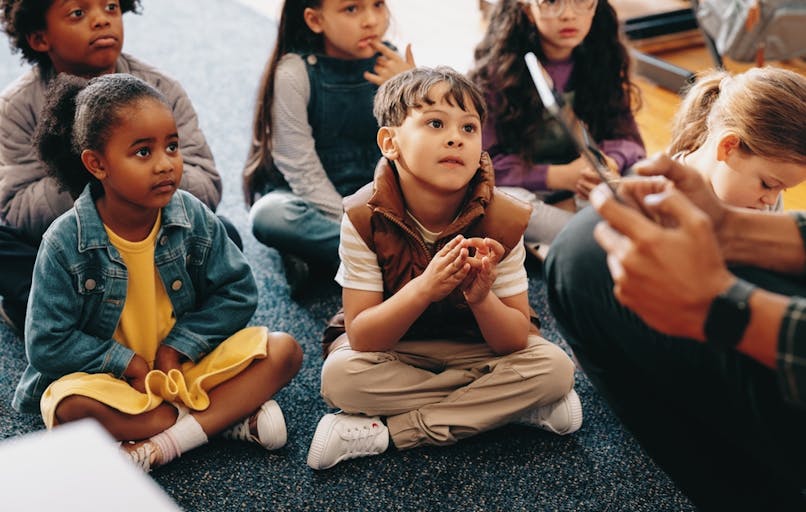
x: 141, y: 456
x: 359, y: 440
x: 240, y: 432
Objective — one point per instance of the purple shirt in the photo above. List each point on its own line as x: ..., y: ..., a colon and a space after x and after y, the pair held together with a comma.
x: 512, y: 171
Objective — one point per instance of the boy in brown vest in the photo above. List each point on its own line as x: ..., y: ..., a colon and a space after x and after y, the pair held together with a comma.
x: 437, y: 342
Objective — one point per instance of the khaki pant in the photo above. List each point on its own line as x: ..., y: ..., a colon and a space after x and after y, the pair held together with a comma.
x: 436, y: 392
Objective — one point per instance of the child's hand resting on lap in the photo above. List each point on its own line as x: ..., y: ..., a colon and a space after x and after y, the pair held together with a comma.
x: 135, y: 373
x: 167, y: 358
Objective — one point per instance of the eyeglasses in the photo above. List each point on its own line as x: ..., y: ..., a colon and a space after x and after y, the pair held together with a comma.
x: 553, y: 8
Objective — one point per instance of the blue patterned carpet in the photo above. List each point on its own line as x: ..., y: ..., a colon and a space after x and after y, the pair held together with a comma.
x: 217, y: 49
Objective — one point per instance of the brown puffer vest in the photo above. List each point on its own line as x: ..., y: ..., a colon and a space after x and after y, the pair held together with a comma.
x: 378, y: 213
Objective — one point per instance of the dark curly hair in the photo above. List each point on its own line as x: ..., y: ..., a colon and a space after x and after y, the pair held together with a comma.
x: 600, y: 78
x: 80, y: 114
x: 21, y: 18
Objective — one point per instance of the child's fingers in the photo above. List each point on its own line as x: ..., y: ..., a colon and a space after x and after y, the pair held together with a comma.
x: 495, y: 249
x: 410, y: 56
x: 455, y: 241
x: 373, y: 78
x: 384, y: 50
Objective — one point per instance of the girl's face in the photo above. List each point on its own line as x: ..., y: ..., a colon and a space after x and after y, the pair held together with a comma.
x: 750, y: 181
x: 561, y: 24
x: 81, y: 37
x: 349, y: 26
x: 141, y: 166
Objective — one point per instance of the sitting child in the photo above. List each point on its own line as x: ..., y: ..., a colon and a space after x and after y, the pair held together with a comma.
x: 83, y: 39
x: 745, y: 133
x: 437, y: 337
x: 139, y: 300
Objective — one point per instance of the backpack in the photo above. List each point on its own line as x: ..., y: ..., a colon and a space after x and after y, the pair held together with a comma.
x: 746, y: 29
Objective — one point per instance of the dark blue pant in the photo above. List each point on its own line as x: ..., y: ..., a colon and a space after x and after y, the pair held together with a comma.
x: 714, y: 421
x: 17, y: 257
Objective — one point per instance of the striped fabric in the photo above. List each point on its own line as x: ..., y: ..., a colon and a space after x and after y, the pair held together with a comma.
x: 359, y: 269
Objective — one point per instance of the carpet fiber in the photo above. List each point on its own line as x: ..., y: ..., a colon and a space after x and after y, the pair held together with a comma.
x: 217, y: 49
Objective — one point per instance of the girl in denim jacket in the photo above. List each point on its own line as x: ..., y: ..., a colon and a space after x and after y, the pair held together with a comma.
x: 139, y: 301
x: 313, y: 139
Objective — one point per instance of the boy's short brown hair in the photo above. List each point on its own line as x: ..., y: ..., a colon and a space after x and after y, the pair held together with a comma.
x: 21, y: 18
x: 410, y: 89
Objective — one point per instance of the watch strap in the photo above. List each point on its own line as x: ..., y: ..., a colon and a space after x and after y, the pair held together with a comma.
x: 729, y: 315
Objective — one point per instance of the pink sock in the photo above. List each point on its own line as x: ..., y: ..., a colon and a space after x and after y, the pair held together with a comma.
x: 183, y: 436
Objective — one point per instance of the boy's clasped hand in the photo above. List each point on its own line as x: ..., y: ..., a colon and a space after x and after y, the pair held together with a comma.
x: 469, y: 263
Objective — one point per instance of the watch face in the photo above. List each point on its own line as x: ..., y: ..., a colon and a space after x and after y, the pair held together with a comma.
x: 728, y: 316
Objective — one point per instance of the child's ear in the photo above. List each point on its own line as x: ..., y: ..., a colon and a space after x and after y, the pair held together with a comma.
x: 387, y: 144
x: 38, y: 41
x: 94, y: 164
x: 312, y: 19
x: 727, y: 144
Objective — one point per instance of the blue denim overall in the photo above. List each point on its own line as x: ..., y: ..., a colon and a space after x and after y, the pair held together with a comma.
x: 344, y: 131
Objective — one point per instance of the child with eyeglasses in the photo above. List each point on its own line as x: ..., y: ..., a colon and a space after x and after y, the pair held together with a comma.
x: 577, y: 42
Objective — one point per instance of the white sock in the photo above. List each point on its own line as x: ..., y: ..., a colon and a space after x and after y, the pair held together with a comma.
x: 185, y: 435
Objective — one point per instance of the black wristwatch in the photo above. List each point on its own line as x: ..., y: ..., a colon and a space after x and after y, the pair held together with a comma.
x: 729, y: 315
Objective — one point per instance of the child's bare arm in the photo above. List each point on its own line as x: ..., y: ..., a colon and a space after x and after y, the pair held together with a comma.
x: 376, y: 325
x: 504, y: 322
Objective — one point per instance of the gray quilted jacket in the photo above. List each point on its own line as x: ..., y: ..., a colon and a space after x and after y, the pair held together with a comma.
x: 31, y: 200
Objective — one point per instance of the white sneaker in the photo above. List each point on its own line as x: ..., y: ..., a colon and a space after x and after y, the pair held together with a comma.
x: 267, y: 423
x: 341, y: 436
x: 563, y: 417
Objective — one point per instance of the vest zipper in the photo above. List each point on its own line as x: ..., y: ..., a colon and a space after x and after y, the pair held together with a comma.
x: 410, y: 232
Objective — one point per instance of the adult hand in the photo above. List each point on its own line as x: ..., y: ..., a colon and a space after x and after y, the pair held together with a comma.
x: 389, y: 63
x: 135, y: 373
x: 667, y: 274
x: 167, y: 358
x: 689, y: 182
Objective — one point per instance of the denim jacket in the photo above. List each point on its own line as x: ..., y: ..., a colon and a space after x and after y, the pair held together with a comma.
x: 80, y: 282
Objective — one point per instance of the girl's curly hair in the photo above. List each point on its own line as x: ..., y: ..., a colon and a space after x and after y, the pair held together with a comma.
x: 600, y: 79
x: 21, y: 18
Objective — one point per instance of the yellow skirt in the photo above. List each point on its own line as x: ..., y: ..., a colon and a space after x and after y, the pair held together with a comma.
x: 188, y: 387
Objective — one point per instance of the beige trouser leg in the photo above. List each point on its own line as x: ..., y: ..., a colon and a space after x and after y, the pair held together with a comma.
x: 437, y: 392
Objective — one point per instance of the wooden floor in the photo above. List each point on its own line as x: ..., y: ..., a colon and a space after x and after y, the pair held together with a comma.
x: 659, y: 105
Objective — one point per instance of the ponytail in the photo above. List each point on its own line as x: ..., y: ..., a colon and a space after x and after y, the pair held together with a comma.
x: 80, y: 114
x: 690, y: 124
x: 54, y: 134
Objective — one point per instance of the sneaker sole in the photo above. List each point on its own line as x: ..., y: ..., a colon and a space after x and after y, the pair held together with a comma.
x: 318, y: 444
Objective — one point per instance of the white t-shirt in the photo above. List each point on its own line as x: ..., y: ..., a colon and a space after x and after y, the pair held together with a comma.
x: 359, y: 269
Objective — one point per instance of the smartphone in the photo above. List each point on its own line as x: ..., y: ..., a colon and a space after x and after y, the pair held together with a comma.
x: 553, y: 105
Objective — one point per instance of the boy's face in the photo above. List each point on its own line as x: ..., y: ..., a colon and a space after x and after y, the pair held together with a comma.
x: 438, y: 147
x: 81, y: 37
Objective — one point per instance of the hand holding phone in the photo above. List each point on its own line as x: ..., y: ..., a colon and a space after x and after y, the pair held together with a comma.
x: 586, y: 148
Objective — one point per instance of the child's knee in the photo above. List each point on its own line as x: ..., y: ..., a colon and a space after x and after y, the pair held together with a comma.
x: 551, y: 370
x: 285, y: 352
